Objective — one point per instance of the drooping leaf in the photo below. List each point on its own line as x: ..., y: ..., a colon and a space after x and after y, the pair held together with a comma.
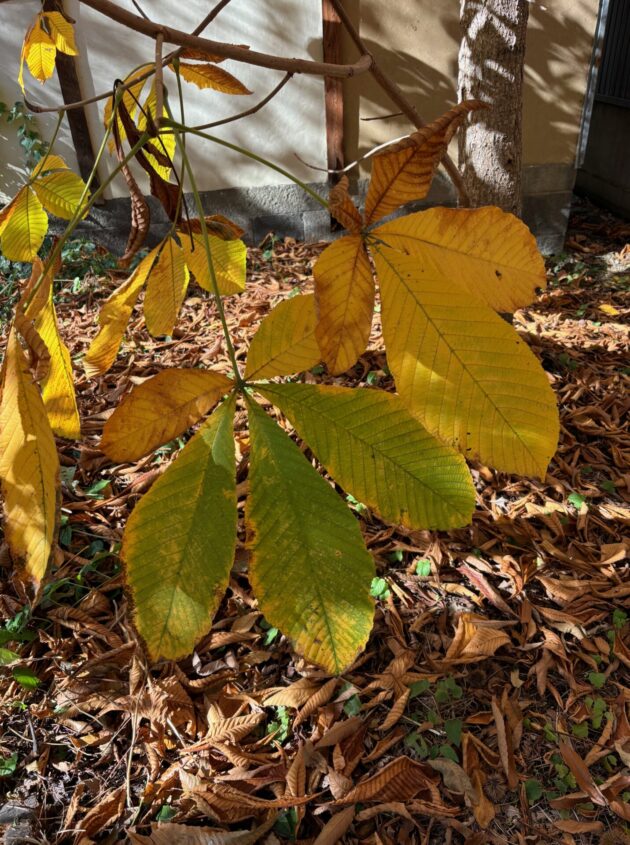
x: 228, y: 260
x: 216, y: 224
x: 129, y: 98
x: 179, y: 542
x: 166, y: 287
x: 39, y: 52
x: 159, y: 409
x: 29, y: 468
x: 372, y: 446
x: 25, y: 227
x: 62, y: 33
x: 165, y: 141
x: 60, y: 193
x: 403, y: 172
x: 285, y: 341
x: 113, y: 319
x: 485, y: 251
x: 463, y: 371
x: 343, y: 208
x: 211, y: 76
x: 58, y: 385
x: 344, y: 292
x: 309, y: 569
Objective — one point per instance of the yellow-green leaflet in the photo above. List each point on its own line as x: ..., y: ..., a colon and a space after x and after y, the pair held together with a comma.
x: 376, y: 450
x: 179, y: 541
x: 310, y: 569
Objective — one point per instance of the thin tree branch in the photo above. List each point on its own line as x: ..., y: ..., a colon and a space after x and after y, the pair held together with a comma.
x: 229, y: 51
x: 159, y: 82
x: 397, y: 97
x: 252, y: 110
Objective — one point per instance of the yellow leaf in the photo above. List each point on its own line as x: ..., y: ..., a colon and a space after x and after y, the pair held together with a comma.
x: 60, y: 193
x: 285, y: 341
x: 29, y: 468
x: 404, y: 172
x: 344, y: 293
x: 609, y: 309
x: 5, y: 215
x: 489, y: 253
x: 25, y: 228
x: 62, y: 33
x: 211, y: 76
x: 165, y: 142
x: 49, y: 162
x: 228, y: 260
x: 179, y: 542
x: 58, y: 385
x: 166, y: 287
x: 129, y: 98
x: 463, y: 371
x: 113, y: 319
x: 160, y: 409
x: 343, y: 208
x: 40, y: 52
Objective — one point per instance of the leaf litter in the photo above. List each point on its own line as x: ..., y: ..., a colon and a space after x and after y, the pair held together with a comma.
x: 491, y: 705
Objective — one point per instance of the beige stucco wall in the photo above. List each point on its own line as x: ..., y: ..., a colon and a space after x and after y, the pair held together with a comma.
x: 417, y: 42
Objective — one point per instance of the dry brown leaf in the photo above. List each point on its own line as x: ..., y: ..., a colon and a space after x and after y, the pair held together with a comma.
x: 106, y: 811
x: 335, y: 827
x: 343, y: 208
x: 476, y: 638
x: 400, y: 780
x: 581, y: 773
x: 504, y: 740
x: 181, y: 834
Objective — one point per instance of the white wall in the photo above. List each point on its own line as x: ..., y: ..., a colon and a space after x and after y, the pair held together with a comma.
x: 292, y: 123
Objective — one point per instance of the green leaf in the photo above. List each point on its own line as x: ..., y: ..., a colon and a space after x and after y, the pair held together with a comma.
x: 25, y: 677
x: 379, y: 589
x: 423, y: 568
x: 352, y: 707
x: 309, y: 568
x: 453, y: 730
x: 376, y: 450
x: 576, y: 500
x: 166, y: 813
x: 180, y: 539
x: 7, y: 656
x: 580, y: 730
x: 8, y: 765
x: 418, y: 688
x: 597, y: 679
x: 534, y: 790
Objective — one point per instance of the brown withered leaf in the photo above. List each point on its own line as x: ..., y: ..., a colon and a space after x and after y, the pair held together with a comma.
x: 400, y: 780
x: 343, y: 208
x: 181, y: 834
x: 475, y: 639
x: 335, y: 827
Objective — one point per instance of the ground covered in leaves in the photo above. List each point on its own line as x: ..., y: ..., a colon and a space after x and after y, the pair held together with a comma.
x: 491, y: 705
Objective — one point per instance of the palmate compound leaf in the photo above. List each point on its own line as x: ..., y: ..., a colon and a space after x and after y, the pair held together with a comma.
x: 463, y: 371
x: 228, y: 261
x: 113, y: 319
x: 344, y: 293
x: 285, y: 341
x: 29, y: 468
x: 25, y: 227
x: 309, y: 569
x: 167, y: 283
x: 159, y: 409
x: 486, y: 251
x: 58, y: 385
x: 179, y: 542
x: 403, y: 172
x: 373, y: 447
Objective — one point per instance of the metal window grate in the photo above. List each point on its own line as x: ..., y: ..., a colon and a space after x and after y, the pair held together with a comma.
x: 614, y: 74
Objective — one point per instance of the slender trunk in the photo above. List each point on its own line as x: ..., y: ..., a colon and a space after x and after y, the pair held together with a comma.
x: 491, y: 62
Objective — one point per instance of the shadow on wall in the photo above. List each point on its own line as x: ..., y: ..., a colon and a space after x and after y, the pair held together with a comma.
x: 559, y: 46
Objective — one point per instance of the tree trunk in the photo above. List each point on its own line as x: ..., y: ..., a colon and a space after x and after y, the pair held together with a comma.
x: 491, y: 62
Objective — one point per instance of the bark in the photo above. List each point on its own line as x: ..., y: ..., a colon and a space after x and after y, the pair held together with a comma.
x: 491, y: 63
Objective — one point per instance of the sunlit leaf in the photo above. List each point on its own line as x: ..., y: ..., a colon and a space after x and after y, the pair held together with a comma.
x: 167, y: 283
x: 179, y: 541
x: 39, y: 51
x: 60, y: 193
x: 29, y: 468
x: 113, y: 318
x: 305, y: 543
x: 62, y: 33
x: 165, y: 143
x: 58, y: 385
x: 160, y: 409
x: 130, y: 98
x: 344, y: 292
x: 48, y: 163
x: 404, y: 171
x: 463, y: 371
x: 285, y: 341
x: 211, y: 76
x: 487, y: 252
x: 25, y: 229
x: 228, y: 260
x: 372, y: 446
